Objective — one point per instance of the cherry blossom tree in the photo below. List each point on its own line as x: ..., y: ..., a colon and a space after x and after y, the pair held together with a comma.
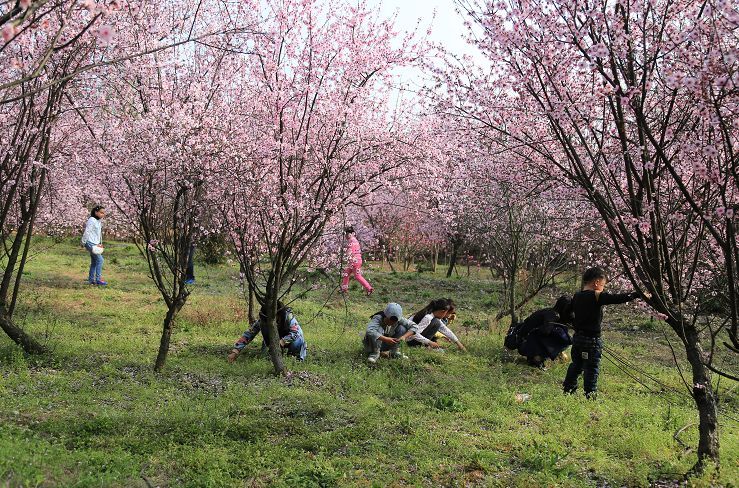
x: 320, y: 135
x: 605, y: 96
x: 42, y: 45
x: 46, y: 47
x: 159, y: 139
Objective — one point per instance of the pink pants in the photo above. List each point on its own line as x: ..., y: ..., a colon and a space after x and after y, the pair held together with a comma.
x: 354, y: 270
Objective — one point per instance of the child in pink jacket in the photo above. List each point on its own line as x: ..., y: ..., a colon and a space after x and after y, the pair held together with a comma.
x: 354, y: 266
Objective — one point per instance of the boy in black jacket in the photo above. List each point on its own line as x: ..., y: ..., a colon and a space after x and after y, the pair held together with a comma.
x: 587, y: 345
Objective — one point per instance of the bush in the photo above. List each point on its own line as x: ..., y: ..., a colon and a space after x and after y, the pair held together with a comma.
x: 213, y: 249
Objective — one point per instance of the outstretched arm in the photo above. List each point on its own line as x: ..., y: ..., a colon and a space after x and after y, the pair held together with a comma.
x: 292, y: 336
x: 244, y: 340
x: 447, y: 332
x: 605, y: 298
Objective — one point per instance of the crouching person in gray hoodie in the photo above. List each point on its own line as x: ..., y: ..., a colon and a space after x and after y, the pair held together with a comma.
x: 385, y: 331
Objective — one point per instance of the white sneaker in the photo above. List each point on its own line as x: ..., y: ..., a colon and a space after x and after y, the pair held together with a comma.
x: 372, y: 359
x: 399, y: 355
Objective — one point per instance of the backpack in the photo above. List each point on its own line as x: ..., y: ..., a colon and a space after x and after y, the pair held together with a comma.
x: 512, y: 340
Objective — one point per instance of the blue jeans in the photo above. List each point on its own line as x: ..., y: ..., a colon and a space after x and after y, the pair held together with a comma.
x: 297, y: 348
x: 586, y: 353
x: 96, y: 264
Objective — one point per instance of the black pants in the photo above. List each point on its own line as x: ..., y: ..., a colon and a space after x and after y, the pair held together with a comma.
x: 429, y: 333
x: 586, y: 354
x: 190, y: 272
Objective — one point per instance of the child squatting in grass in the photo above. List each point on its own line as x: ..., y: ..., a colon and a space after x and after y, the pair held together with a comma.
x: 292, y: 340
x: 430, y: 320
x: 385, y: 331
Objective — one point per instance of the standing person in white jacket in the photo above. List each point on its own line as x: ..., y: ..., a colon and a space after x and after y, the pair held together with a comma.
x: 92, y: 240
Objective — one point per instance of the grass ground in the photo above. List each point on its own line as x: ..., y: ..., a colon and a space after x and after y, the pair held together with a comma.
x: 94, y: 414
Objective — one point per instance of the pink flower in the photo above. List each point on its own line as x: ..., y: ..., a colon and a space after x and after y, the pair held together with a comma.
x: 8, y: 32
x: 729, y: 213
x: 25, y: 3
x: 710, y: 151
x: 720, y: 211
x: 105, y: 33
x: 89, y: 5
x: 598, y: 50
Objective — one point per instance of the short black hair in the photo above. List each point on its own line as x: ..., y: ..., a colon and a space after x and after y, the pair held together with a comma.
x: 95, y: 210
x: 592, y: 274
x: 349, y: 229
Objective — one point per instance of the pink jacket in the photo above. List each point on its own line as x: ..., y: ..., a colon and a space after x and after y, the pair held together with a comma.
x: 353, y: 251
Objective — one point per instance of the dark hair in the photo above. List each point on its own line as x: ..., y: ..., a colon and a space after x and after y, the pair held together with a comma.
x: 452, y: 305
x: 563, y: 307
x: 95, y: 210
x: 433, y: 306
x: 592, y: 274
x: 282, y: 312
x: 349, y: 229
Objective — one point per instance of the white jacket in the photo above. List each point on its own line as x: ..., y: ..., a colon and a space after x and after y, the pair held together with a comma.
x: 425, y: 322
x: 93, y: 231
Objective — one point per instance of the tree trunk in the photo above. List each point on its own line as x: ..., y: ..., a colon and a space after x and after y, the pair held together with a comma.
x: 512, y: 304
x: 456, y: 243
x: 29, y: 345
x: 704, y: 397
x: 435, y: 258
x: 172, y: 312
x: 531, y: 295
x: 271, y: 336
x: 512, y: 275
x: 251, y: 316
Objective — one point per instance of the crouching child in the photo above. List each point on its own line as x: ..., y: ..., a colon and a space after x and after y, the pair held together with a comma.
x: 385, y: 331
x: 292, y: 340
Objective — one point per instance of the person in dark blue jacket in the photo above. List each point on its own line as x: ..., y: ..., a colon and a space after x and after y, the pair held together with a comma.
x: 543, y: 335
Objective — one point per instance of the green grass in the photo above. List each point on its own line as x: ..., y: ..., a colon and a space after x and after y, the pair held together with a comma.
x: 94, y: 414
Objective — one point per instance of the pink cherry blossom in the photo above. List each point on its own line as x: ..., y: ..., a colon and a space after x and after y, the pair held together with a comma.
x: 9, y: 31
x: 105, y: 33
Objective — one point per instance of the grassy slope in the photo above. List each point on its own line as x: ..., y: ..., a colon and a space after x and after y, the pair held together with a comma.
x: 94, y: 414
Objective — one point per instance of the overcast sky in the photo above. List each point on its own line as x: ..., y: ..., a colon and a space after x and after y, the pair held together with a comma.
x: 447, y: 26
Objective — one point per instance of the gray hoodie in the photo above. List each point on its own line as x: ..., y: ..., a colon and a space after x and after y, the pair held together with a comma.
x: 376, y: 328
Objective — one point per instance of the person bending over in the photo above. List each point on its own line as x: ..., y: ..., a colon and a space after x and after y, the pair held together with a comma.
x: 292, y: 340
x: 544, y: 333
x: 430, y: 320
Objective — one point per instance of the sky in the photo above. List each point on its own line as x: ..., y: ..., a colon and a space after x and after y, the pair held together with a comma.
x: 447, y: 26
